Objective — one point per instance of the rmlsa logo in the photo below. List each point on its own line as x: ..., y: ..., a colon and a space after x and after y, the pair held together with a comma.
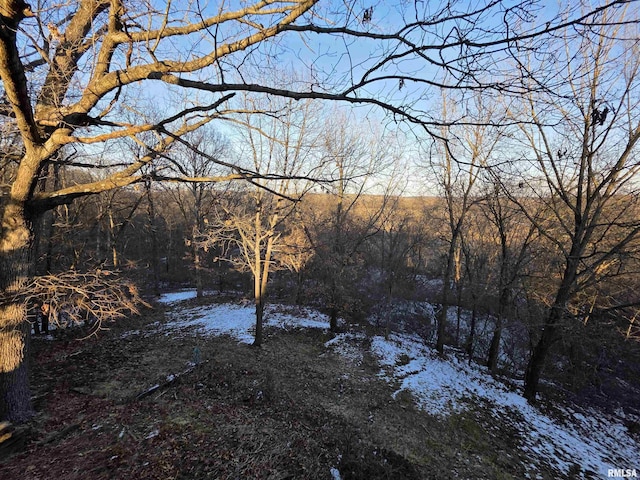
x: 622, y: 473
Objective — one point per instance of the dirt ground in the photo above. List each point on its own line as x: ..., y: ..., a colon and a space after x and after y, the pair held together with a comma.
x: 293, y: 409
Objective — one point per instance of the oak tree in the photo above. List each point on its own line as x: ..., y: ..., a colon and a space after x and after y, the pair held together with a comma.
x: 71, y: 70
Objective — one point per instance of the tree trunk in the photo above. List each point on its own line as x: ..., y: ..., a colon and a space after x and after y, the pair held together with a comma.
x: 503, y: 300
x: 494, y: 348
x: 259, y: 303
x: 44, y: 228
x: 220, y: 276
x: 151, y: 217
x: 298, y: 295
x: 257, y: 342
x: 446, y: 288
x: 197, y: 267
x: 540, y: 352
x: 333, y: 319
x: 15, y: 270
x: 551, y: 327
x: 198, y: 273
x: 112, y: 239
x: 537, y: 361
x: 333, y: 308
x: 198, y: 225
x: 442, y: 319
x: 261, y: 279
x: 472, y: 329
x: 458, y: 279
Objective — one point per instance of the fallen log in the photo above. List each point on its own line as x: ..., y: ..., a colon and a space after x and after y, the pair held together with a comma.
x: 169, y: 380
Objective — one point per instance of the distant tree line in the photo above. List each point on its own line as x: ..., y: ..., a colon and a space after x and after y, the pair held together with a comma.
x: 118, y: 150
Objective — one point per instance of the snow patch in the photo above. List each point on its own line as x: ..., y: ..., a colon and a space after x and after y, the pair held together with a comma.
x: 348, y: 345
x: 587, y: 439
x: 238, y: 321
x: 179, y: 296
x: 590, y: 440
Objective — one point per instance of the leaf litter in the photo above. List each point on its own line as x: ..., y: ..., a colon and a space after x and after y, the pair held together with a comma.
x: 308, y: 404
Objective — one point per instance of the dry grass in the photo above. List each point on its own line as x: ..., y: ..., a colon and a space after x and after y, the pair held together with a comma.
x: 292, y: 409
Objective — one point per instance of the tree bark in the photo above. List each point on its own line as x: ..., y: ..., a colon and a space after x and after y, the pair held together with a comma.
x: 446, y: 289
x: 151, y: 217
x: 550, y: 330
x: 539, y: 356
x: 197, y: 266
x: 494, y: 348
x: 333, y: 319
x: 15, y: 331
x: 259, y: 303
x: 257, y: 342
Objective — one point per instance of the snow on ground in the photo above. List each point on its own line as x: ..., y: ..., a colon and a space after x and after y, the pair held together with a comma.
x: 589, y: 439
x: 236, y: 320
x: 178, y: 296
x: 299, y: 318
x: 348, y: 345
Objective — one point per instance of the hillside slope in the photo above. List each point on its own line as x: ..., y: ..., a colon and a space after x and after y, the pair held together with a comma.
x: 183, y: 395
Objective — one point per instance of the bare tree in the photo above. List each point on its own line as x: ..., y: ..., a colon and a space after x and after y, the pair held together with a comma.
x: 463, y: 151
x: 279, y: 147
x: 70, y: 70
x: 199, y: 160
x: 339, y: 229
x: 580, y: 168
x: 65, y: 71
x: 510, y: 260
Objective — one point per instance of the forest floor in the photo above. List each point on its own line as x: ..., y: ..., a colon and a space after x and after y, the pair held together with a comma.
x: 163, y: 396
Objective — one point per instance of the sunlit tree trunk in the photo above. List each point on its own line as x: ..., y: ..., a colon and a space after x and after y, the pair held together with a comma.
x: 258, y: 293
x: 458, y: 281
x: 112, y: 239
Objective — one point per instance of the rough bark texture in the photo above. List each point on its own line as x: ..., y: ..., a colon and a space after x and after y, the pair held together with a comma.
x: 494, y: 347
x: 15, y: 396
x: 16, y: 235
